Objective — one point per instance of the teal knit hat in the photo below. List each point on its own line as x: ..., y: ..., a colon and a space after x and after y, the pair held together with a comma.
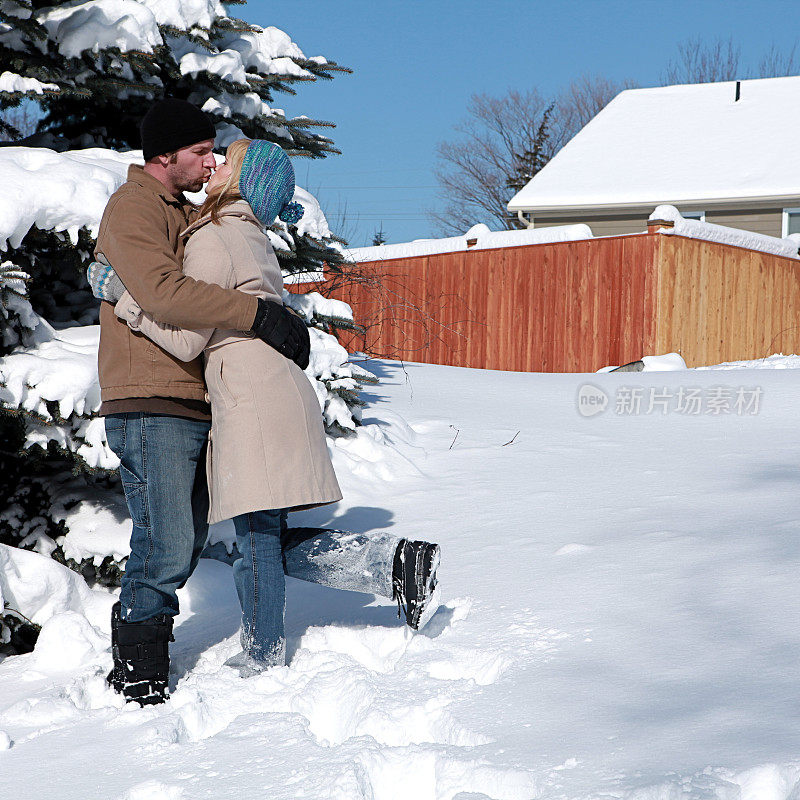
x: 267, y: 183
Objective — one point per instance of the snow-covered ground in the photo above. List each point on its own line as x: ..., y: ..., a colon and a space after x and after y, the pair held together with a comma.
x: 620, y: 614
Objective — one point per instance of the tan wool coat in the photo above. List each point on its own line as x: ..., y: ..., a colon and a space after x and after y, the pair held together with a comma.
x: 267, y: 447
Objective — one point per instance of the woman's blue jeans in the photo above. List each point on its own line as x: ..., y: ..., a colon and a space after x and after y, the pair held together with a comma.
x: 269, y: 548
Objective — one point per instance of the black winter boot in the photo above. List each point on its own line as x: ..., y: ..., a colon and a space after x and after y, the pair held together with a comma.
x: 414, y: 581
x: 141, y: 658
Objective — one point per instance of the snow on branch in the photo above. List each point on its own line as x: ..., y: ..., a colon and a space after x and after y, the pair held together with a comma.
x: 58, y: 191
x: 56, y: 382
x: 98, y: 24
x: 17, y: 84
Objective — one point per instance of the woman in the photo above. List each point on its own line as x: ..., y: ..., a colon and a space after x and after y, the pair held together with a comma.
x: 267, y: 449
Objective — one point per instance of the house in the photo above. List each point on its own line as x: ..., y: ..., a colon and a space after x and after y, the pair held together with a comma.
x: 727, y: 153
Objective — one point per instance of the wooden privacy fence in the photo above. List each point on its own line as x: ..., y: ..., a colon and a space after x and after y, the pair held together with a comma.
x: 578, y: 306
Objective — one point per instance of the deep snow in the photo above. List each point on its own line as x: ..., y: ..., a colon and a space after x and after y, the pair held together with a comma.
x: 619, y: 620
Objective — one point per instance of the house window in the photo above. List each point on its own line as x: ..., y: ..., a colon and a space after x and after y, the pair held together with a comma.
x: 700, y: 216
x: 791, y: 221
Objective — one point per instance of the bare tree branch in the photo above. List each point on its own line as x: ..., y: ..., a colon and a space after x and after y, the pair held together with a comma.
x: 475, y: 170
x: 582, y: 100
x: 775, y: 64
x: 698, y: 62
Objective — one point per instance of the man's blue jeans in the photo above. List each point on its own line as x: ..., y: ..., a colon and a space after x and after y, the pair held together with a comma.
x: 163, y: 471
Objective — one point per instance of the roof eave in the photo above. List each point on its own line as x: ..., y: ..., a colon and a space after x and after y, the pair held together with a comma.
x: 778, y: 199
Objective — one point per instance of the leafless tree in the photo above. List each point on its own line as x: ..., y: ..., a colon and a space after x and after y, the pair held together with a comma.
x: 701, y: 62
x: 475, y: 169
x: 777, y: 64
x: 583, y: 99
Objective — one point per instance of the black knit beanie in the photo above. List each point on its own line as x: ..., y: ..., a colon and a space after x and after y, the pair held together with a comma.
x: 171, y: 124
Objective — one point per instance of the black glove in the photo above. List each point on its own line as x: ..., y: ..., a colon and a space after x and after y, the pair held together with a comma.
x: 282, y: 329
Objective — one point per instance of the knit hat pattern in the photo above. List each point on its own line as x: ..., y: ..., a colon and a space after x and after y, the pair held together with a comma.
x: 171, y: 124
x: 267, y: 183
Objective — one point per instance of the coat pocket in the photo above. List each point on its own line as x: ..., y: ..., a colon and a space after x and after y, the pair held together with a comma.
x: 228, y: 397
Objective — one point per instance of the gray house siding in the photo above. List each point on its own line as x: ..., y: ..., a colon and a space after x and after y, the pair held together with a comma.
x: 601, y: 225
x: 761, y: 220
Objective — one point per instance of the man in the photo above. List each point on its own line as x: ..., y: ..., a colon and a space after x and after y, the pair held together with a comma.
x: 157, y: 415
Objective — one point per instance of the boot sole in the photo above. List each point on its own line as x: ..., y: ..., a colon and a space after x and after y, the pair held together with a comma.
x: 432, y: 592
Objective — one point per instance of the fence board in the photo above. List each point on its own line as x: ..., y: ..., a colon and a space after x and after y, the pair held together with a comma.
x: 578, y: 306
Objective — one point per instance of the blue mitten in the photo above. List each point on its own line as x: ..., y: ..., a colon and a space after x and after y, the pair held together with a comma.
x: 104, y: 281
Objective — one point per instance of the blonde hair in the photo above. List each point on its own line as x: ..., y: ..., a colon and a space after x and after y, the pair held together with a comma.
x: 229, y: 192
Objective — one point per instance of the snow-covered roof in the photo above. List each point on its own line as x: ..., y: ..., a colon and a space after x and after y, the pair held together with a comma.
x: 678, y: 144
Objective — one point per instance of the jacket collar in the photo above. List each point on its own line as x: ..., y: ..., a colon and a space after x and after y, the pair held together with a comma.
x: 239, y: 208
x: 137, y: 175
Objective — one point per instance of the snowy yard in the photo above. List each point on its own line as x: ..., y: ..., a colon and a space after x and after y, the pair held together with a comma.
x: 620, y: 615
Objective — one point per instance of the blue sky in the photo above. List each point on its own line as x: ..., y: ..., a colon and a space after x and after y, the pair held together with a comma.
x: 417, y: 63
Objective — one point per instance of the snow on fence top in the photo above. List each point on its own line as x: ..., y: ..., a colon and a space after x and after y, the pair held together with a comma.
x: 694, y: 229
x: 66, y: 191
x: 486, y: 239
x: 678, y: 144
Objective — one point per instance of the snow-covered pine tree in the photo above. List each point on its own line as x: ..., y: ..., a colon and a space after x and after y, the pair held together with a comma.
x: 93, y: 68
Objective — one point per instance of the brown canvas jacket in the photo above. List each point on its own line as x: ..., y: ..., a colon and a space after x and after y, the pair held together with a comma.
x: 140, y: 235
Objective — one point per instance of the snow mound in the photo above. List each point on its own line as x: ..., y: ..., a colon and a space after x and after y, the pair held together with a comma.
x: 40, y: 588
x: 154, y: 790
x: 695, y: 229
x: 268, y: 50
x: 669, y: 362
x: 67, y: 641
